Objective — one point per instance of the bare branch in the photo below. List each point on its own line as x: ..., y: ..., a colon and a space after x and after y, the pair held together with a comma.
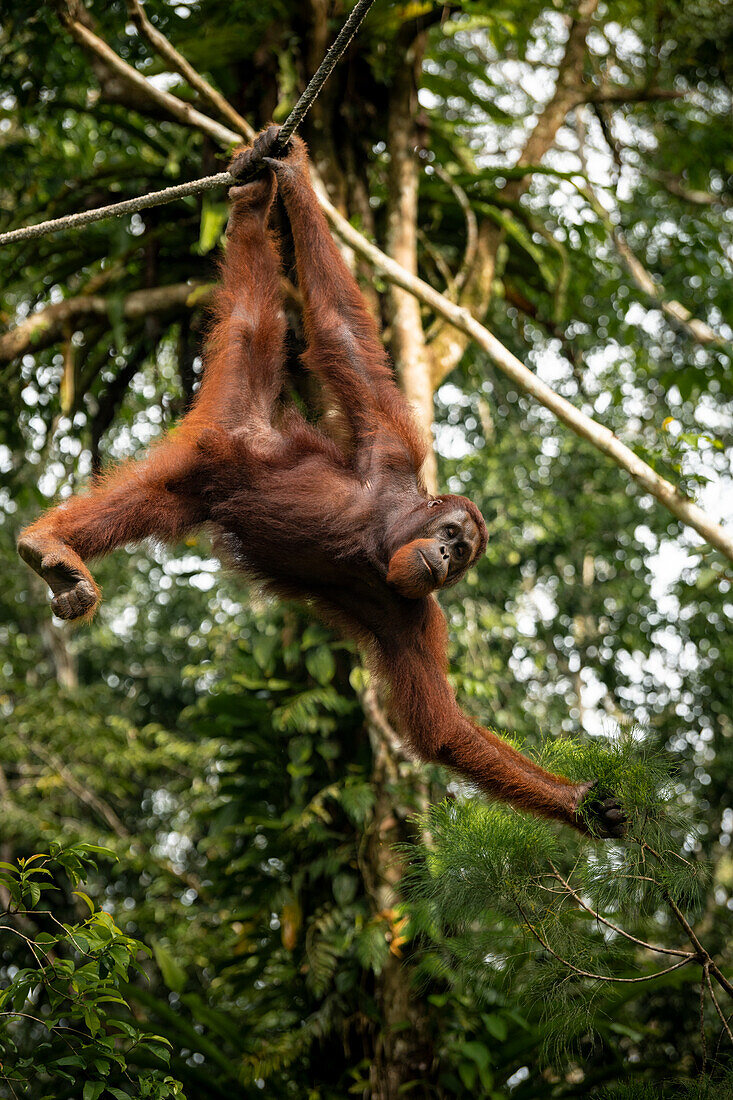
x: 46, y: 327
x: 693, y: 195
x: 683, y: 922
x: 645, y: 281
x: 469, y: 254
x: 621, y: 932
x: 619, y: 94
x: 673, y: 309
x: 587, y: 973
x: 84, y: 794
x: 175, y: 107
x: 579, y: 422
x: 714, y: 999
x: 166, y: 50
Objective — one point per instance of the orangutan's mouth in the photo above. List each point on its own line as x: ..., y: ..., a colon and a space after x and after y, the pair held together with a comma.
x: 427, y: 565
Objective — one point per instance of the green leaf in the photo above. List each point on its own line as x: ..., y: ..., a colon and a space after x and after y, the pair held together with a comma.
x: 477, y: 1052
x: 496, y: 1026
x: 321, y: 664
x: 213, y: 220
x: 344, y: 888
x: 86, y: 898
x: 93, y: 1090
x: 173, y: 973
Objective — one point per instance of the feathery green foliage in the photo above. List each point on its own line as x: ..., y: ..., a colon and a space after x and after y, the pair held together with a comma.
x: 486, y: 869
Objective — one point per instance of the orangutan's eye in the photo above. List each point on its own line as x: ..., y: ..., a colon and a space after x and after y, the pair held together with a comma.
x: 451, y: 531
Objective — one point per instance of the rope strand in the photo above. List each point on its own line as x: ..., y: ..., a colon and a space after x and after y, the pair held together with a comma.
x: 208, y: 183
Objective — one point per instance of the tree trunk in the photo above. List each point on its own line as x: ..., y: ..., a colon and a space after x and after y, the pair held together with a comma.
x: 402, y: 1050
x: 408, y: 339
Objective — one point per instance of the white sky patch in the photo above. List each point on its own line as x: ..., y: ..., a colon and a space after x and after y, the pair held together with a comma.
x: 165, y: 81
x: 451, y: 441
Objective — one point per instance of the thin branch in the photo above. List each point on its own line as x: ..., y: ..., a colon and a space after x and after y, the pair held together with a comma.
x: 588, y: 973
x: 83, y: 793
x: 167, y: 51
x: 175, y: 107
x: 441, y: 267
x: 615, y: 927
x: 579, y: 422
x: 645, y: 281
x: 46, y: 327
x: 718, y: 1009
x: 701, y: 1022
x: 693, y: 195
x: 619, y: 94
x: 469, y: 255
x: 689, y: 930
x: 454, y: 285
x: 679, y: 314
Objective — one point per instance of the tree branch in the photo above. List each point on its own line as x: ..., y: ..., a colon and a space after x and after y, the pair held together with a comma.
x: 718, y: 1009
x: 647, y: 284
x: 168, y: 51
x: 587, y: 973
x: 616, y: 927
x: 584, y: 426
x: 675, y: 187
x: 674, y: 310
x: 469, y: 255
x: 173, y: 106
x: 579, y: 422
x: 84, y: 794
x: 619, y: 94
x: 46, y: 327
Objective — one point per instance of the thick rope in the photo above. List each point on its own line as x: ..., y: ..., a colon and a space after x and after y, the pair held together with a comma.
x: 208, y: 183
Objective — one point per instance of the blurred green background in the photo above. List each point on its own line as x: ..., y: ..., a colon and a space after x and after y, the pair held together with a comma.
x: 216, y: 741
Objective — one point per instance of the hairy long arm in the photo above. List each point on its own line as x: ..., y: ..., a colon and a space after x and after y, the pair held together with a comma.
x: 343, y: 342
x: 137, y: 500
x: 437, y: 730
x: 161, y: 496
x: 244, y: 358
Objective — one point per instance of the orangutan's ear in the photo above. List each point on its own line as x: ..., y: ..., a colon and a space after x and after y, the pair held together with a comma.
x: 408, y: 573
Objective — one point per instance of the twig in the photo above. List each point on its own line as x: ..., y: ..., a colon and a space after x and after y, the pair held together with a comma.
x: 681, y: 919
x: 469, y: 254
x: 619, y: 94
x: 46, y: 326
x: 718, y: 1009
x: 703, y: 1040
x: 83, y: 793
x: 699, y: 330
x: 615, y: 927
x: 588, y: 973
x: 644, y: 280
